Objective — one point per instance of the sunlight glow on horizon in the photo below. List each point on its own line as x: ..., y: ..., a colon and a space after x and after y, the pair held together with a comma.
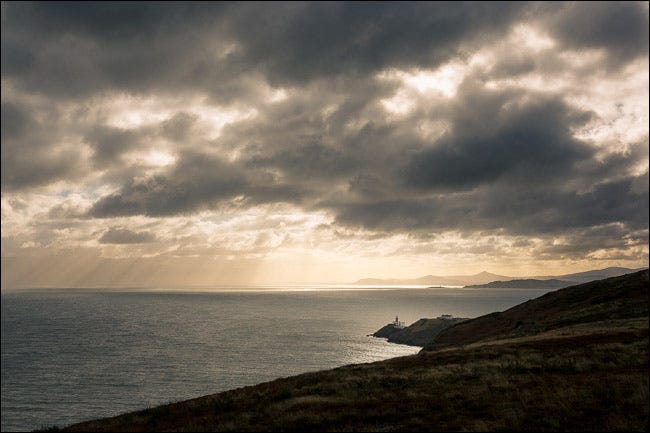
x: 190, y: 151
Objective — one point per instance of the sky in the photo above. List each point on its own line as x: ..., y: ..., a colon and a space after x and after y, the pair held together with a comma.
x: 198, y: 144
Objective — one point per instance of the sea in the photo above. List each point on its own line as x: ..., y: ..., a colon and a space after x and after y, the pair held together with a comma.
x: 70, y: 355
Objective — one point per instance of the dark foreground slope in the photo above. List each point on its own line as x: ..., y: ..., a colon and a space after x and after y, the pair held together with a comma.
x: 588, y: 375
x: 612, y: 298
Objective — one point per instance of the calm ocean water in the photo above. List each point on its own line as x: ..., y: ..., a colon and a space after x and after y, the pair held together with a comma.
x: 70, y: 355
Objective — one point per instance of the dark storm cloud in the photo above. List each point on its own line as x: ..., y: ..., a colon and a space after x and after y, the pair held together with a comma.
x: 555, y: 208
x: 332, y: 135
x: 508, y: 159
x: 109, y: 143
x: 513, y: 65
x: 195, y: 183
x: 30, y: 156
x: 111, y: 20
x: 119, y: 235
x: 179, y: 127
x: 500, y: 136
x: 593, y: 239
x: 310, y: 159
x: 15, y: 121
x: 519, y: 209
x: 83, y: 49
x: 299, y: 42
x: 621, y: 28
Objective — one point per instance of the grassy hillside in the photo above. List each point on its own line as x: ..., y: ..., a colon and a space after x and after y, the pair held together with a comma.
x: 582, y: 368
x: 612, y: 298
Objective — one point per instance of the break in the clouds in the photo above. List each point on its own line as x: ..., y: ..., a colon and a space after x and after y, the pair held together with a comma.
x: 255, y: 142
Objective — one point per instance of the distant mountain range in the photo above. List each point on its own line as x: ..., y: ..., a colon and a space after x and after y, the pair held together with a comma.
x: 487, y: 277
x: 451, y: 280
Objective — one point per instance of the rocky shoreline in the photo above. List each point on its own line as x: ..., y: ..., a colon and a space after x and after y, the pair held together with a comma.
x: 419, y: 333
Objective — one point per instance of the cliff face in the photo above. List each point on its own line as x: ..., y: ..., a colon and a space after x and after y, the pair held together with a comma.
x: 419, y: 333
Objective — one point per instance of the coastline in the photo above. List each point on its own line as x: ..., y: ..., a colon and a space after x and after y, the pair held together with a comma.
x: 419, y: 333
x: 403, y: 391
x: 580, y: 363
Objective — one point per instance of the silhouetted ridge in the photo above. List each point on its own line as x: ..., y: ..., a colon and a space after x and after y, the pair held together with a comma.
x: 524, y: 284
x: 613, y: 298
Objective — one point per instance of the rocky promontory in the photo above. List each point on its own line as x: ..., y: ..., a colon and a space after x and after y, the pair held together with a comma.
x: 419, y: 333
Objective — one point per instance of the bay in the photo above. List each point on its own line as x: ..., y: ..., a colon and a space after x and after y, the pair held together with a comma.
x: 70, y: 355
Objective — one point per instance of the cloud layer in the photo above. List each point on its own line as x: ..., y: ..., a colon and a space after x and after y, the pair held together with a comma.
x: 410, y: 129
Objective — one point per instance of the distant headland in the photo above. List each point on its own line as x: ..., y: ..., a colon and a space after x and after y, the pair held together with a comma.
x: 483, y: 278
